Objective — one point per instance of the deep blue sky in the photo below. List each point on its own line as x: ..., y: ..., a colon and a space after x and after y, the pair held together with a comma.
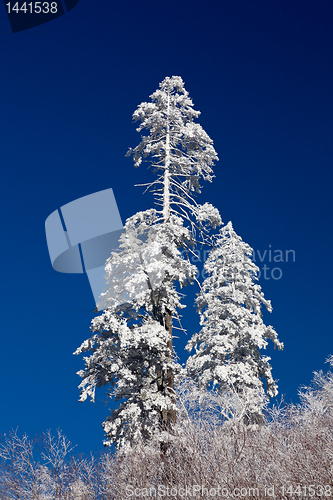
x: 261, y: 73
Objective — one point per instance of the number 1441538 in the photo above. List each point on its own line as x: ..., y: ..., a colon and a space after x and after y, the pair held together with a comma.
x: 33, y: 7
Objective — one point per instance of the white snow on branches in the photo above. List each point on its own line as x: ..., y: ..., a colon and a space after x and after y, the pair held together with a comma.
x: 227, y: 347
x: 131, y: 348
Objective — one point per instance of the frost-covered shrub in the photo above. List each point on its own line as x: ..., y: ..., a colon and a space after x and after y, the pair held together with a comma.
x: 291, y: 456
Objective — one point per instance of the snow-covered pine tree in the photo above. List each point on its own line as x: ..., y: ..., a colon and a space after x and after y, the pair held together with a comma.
x: 132, y: 348
x: 227, y: 355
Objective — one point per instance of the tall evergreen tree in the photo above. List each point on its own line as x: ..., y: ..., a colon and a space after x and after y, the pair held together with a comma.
x: 132, y: 346
x: 227, y: 354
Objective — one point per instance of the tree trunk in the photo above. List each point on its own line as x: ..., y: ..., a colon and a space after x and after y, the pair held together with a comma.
x: 168, y: 417
x: 170, y: 382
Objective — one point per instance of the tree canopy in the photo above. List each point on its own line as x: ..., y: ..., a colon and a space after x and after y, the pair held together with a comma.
x: 131, y: 348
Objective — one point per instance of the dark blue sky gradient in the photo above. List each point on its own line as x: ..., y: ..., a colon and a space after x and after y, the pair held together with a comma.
x: 260, y: 72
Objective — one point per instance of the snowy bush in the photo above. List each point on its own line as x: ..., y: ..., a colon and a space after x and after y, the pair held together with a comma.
x: 291, y: 455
